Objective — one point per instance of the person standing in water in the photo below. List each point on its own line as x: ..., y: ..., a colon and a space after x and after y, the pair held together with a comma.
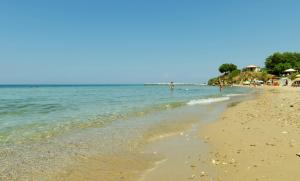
x: 220, y: 85
x: 171, y: 86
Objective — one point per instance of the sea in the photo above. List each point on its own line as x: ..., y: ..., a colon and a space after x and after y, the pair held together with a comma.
x: 43, y: 127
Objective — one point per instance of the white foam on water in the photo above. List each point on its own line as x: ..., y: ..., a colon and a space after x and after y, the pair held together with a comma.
x: 207, y: 101
x: 234, y: 95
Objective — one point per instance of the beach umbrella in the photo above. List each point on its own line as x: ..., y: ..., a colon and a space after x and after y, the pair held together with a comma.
x: 296, y: 82
x: 290, y: 70
x: 298, y: 76
x: 246, y: 82
x: 297, y: 79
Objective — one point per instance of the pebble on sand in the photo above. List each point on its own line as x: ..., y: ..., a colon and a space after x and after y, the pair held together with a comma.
x: 192, y: 176
x: 203, y: 174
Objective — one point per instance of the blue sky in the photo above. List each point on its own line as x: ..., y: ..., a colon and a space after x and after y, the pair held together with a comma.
x: 55, y: 41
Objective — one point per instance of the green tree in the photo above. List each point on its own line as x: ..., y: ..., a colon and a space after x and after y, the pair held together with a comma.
x: 281, y: 67
x: 278, y: 62
x: 234, y: 73
x: 227, y: 68
x: 213, y: 81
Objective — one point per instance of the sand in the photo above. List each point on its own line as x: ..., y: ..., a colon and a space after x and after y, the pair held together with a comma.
x: 185, y: 154
x: 258, y: 139
x: 184, y: 158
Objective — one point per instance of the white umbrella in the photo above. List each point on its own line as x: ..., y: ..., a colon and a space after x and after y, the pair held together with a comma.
x: 290, y: 70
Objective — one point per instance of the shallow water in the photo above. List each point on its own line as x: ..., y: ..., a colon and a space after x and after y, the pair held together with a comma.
x: 46, y: 128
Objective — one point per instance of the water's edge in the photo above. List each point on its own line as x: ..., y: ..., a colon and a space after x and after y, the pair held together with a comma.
x: 158, y: 151
x: 104, y: 152
x: 186, y: 154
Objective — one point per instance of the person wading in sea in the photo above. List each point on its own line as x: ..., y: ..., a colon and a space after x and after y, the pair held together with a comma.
x: 171, y: 86
x: 220, y: 85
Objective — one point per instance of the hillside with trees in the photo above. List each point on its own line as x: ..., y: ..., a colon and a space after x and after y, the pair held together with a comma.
x: 275, y: 65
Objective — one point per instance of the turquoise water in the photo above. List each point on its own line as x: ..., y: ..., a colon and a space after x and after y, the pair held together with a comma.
x: 34, y: 112
x: 44, y: 129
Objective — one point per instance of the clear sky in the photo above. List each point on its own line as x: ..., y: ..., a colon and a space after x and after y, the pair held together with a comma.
x: 137, y: 41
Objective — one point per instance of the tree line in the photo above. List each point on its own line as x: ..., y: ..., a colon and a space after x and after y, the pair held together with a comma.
x: 275, y: 64
x: 278, y: 62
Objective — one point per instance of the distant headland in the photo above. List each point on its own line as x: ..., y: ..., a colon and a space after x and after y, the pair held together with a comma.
x: 281, y: 69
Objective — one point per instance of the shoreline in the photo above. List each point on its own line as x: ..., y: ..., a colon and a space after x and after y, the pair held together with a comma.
x: 136, y: 163
x: 185, y: 154
x: 169, y: 147
x: 116, y: 151
x: 257, y: 139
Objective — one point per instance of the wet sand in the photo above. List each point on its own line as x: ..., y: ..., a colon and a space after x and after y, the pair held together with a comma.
x: 185, y: 154
x: 184, y: 158
x: 170, y: 150
x: 163, y: 148
x: 258, y: 139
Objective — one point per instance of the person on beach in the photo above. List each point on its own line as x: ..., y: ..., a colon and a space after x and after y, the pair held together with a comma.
x: 171, y: 86
x: 220, y: 85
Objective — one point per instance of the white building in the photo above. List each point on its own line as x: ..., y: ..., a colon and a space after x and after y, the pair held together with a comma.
x: 252, y: 68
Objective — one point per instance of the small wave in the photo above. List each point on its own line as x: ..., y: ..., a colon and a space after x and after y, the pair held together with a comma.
x: 207, y: 101
x: 234, y: 95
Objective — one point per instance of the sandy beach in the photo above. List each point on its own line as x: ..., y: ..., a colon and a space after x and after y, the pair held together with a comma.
x: 251, y: 136
x: 149, y: 90
x: 258, y: 139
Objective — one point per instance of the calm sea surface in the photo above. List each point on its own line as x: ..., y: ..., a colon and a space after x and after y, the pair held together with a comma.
x: 29, y: 113
x: 38, y: 119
